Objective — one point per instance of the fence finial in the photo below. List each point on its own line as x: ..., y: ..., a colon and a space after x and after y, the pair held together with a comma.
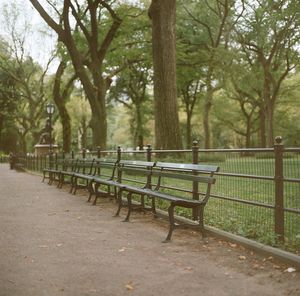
x: 278, y: 140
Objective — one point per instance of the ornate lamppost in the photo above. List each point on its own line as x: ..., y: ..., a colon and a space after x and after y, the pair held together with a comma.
x: 50, y: 110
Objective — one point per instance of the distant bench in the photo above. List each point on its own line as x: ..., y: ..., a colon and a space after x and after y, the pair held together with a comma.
x: 152, y: 180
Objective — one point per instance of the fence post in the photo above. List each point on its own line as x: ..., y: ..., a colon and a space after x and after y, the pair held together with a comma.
x: 149, y: 149
x: 195, y: 153
x: 98, y: 152
x: 119, y: 153
x: 83, y: 156
x: 278, y: 179
x: 149, y: 157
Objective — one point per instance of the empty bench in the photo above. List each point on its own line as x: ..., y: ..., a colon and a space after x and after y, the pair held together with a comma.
x: 156, y: 188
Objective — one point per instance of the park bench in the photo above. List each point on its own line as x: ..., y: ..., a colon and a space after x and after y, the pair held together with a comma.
x: 103, y: 169
x: 52, y: 173
x: 175, y: 172
x: 18, y: 166
x: 133, y: 175
x: 104, y: 179
x: 65, y: 175
x: 83, y: 173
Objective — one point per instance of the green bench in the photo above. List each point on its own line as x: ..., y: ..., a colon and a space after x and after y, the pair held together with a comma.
x: 155, y: 188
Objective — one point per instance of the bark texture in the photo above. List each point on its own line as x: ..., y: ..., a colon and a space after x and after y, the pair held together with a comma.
x: 167, y: 131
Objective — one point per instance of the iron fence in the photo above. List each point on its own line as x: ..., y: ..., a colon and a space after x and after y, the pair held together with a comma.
x: 257, y: 193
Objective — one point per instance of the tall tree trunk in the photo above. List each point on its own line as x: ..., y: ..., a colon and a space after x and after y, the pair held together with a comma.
x: 270, y: 123
x: 1, y: 128
x: 188, y: 129
x: 60, y: 101
x: 96, y: 97
x: 206, y: 112
x: 262, y: 127
x: 248, y: 132
x: 139, y: 126
x: 167, y: 130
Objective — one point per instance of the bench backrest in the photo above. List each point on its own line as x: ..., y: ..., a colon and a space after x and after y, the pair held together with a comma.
x: 105, y: 167
x: 139, y: 169
x: 70, y: 164
x: 85, y: 166
x: 196, y: 173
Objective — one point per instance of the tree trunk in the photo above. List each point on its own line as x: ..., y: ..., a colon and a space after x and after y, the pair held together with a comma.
x: 167, y: 130
x: 1, y: 128
x: 248, y: 132
x: 60, y: 102
x: 270, y: 123
x: 139, y: 126
x: 262, y: 128
x: 188, y: 129
x: 206, y: 111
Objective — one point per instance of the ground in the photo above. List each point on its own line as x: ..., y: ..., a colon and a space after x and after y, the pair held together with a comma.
x: 54, y: 243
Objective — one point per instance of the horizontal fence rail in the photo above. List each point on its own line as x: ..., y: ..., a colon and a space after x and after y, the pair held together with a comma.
x: 257, y: 193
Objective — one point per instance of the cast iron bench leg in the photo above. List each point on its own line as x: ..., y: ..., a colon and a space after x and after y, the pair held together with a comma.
x: 129, y: 207
x: 172, y: 222
x: 201, y: 223
x: 119, y: 198
x: 97, y: 185
x: 153, y: 208
x: 91, y: 190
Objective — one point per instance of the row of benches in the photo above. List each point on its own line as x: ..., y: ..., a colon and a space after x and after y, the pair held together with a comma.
x: 148, y: 181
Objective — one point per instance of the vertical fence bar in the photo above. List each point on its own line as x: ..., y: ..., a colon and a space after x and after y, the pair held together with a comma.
x: 84, y: 157
x: 98, y: 157
x: 278, y: 179
x: 195, y: 152
x: 119, y: 153
x: 119, y: 156
x: 149, y: 158
x: 56, y: 161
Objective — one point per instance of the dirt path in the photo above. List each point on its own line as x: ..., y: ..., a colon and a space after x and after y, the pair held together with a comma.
x: 54, y: 243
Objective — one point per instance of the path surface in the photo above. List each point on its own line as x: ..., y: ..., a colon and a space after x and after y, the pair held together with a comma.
x: 54, y: 243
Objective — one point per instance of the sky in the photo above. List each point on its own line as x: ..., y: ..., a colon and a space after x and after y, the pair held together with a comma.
x: 40, y: 41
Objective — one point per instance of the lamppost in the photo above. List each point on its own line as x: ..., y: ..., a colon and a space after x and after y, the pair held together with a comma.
x: 50, y: 110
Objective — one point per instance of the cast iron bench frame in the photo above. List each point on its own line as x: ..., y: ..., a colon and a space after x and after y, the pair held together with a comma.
x: 161, y: 170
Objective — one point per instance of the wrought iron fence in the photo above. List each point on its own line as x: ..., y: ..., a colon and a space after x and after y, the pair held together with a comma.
x: 257, y: 193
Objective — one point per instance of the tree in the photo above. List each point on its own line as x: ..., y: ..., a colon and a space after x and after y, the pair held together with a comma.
x: 8, y: 96
x: 61, y: 94
x: 216, y: 20
x: 88, y: 57
x: 131, y: 91
x: 167, y: 130
x: 269, y: 35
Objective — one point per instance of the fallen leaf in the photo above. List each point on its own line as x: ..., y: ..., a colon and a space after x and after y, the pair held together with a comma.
x: 232, y: 245
x: 59, y: 245
x: 256, y: 266
x: 189, y: 268
x: 129, y: 286
x: 122, y: 249
x: 242, y: 258
x: 276, y: 266
x: 290, y: 269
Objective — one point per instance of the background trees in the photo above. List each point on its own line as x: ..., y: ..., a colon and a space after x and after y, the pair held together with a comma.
x: 234, y: 80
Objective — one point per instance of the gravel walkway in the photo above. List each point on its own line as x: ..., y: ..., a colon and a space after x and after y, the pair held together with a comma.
x: 54, y: 243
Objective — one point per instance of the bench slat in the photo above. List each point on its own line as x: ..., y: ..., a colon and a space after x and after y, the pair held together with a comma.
x: 191, y: 167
